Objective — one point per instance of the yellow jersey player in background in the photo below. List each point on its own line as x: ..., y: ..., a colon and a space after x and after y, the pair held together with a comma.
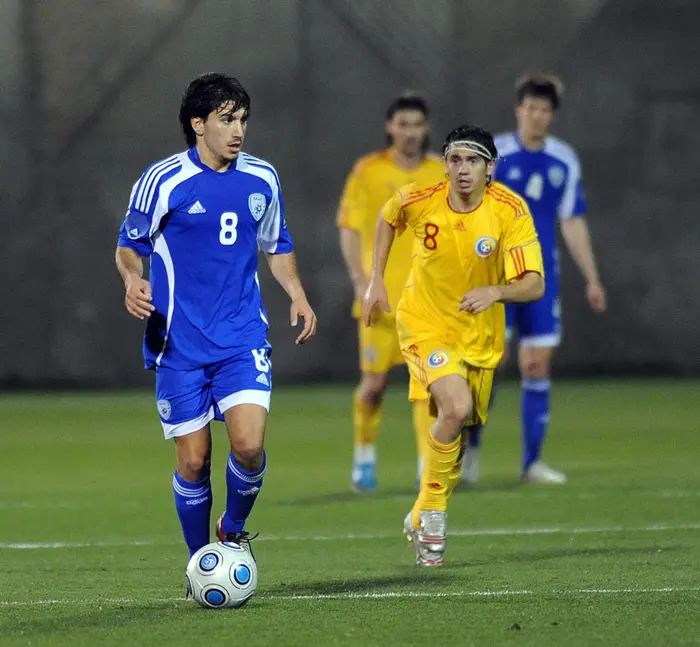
x: 371, y: 183
x: 476, y: 249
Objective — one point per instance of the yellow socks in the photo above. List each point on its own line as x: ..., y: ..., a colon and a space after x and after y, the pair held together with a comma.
x: 436, y: 482
x: 453, y: 477
x: 365, y: 419
x: 422, y: 424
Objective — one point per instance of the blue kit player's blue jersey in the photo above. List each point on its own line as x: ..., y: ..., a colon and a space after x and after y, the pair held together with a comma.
x: 550, y: 181
x: 202, y: 230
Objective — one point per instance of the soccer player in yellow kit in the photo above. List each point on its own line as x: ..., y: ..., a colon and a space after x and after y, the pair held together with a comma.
x: 476, y: 249
x: 371, y: 183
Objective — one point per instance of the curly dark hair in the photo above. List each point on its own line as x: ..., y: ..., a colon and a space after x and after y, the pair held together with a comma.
x: 205, y: 94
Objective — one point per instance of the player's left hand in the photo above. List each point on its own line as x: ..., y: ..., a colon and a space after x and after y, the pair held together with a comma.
x: 479, y: 299
x: 597, y: 299
x: 301, y: 308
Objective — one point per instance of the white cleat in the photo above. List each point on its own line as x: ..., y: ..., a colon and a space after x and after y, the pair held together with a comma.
x: 430, y: 541
x: 470, y: 466
x: 540, y: 472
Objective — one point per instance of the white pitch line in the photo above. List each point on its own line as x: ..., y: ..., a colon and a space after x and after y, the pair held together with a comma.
x: 384, y: 595
x: 483, y: 532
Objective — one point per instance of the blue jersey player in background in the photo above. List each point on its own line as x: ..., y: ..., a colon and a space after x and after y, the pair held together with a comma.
x: 201, y: 216
x: 547, y: 173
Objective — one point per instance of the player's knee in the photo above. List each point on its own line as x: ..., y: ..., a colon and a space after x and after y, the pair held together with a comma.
x: 455, y: 410
x: 371, y: 389
x: 248, y: 452
x: 193, y: 466
x: 534, y: 368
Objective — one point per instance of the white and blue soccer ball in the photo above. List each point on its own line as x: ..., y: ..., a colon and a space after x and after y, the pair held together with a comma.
x: 222, y: 575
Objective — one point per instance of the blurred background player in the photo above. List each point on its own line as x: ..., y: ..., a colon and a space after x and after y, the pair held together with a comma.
x: 201, y: 216
x: 546, y: 172
x: 476, y: 248
x: 371, y: 183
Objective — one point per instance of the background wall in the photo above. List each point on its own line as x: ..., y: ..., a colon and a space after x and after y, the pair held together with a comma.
x: 89, y: 95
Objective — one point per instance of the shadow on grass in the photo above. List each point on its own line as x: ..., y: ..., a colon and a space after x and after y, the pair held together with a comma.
x: 412, y: 577
x: 65, y: 620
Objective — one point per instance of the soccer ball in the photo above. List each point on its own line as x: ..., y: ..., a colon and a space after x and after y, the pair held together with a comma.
x: 222, y: 575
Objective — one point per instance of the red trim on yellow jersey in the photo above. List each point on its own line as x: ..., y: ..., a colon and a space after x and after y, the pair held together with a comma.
x: 508, y: 197
x: 422, y: 194
x: 516, y: 262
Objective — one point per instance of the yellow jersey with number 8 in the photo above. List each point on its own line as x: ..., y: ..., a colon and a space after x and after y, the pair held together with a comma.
x: 456, y: 252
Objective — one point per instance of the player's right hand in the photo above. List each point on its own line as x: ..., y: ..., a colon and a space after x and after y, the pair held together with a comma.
x: 375, y: 297
x: 138, y: 297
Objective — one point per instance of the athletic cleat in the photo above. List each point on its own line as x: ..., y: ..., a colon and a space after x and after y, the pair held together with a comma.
x: 470, y: 466
x: 430, y: 541
x: 243, y: 538
x: 540, y: 472
x: 363, y: 479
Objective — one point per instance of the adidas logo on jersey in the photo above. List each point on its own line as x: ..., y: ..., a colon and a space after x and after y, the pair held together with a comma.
x: 197, y: 208
x: 262, y: 379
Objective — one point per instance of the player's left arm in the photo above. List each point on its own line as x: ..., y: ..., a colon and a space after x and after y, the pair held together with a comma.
x: 275, y: 241
x: 577, y: 237
x: 284, y: 269
x: 524, y: 273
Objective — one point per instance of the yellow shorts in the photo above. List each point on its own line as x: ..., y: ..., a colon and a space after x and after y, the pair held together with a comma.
x: 379, y: 346
x: 431, y: 360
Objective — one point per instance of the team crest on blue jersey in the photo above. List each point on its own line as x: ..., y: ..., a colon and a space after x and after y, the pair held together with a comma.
x: 485, y: 246
x: 257, y: 205
x: 438, y: 358
x: 163, y: 409
x: 556, y: 176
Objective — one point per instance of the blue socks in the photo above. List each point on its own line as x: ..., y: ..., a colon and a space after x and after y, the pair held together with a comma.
x: 242, y: 491
x: 474, y: 436
x: 193, y: 505
x: 535, y: 416
x: 534, y: 411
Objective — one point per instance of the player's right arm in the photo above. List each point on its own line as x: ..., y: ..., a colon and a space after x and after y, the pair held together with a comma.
x: 135, y: 240
x: 138, y: 290
x: 351, y: 220
x: 391, y: 219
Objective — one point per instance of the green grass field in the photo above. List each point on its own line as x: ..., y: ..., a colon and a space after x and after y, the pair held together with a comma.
x: 91, y: 549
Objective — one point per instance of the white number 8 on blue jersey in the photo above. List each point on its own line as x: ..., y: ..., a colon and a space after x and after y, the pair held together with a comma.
x: 261, y: 362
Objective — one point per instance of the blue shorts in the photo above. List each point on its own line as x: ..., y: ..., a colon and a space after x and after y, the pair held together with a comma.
x: 538, y: 323
x: 188, y: 400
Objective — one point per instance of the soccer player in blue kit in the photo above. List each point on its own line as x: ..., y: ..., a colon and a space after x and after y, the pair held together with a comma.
x: 547, y: 173
x: 201, y: 216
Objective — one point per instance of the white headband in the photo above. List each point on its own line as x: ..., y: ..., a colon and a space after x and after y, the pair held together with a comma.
x: 472, y: 146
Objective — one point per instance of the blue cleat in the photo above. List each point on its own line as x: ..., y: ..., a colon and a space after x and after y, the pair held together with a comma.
x: 363, y: 479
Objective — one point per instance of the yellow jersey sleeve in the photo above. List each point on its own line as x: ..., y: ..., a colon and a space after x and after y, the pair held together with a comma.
x: 522, y: 248
x: 394, y: 211
x: 352, y: 211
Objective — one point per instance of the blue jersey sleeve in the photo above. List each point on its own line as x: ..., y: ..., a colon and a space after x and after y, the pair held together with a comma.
x: 273, y: 235
x: 146, y: 208
x: 573, y: 202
